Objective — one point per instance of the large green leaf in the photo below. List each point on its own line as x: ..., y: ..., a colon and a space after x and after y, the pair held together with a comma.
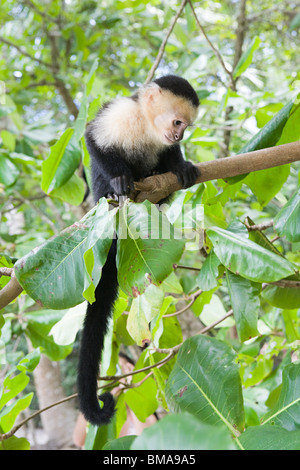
x: 148, y: 246
x: 245, y: 258
x: 54, y: 274
x: 183, y: 432
x: 206, y: 382
x: 287, y: 221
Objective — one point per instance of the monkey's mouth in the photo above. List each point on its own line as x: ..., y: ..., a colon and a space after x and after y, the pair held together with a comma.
x: 172, y: 141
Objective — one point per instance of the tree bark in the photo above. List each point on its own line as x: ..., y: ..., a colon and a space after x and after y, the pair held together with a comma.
x: 157, y: 187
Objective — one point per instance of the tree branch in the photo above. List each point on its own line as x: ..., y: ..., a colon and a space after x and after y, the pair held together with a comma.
x: 215, y: 50
x: 24, y: 52
x: 164, y: 43
x: 157, y: 187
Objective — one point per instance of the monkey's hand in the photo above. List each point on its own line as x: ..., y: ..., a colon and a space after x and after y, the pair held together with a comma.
x: 122, y: 185
x: 187, y: 174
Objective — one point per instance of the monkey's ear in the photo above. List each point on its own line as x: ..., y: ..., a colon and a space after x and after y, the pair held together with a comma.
x: 153, y: 92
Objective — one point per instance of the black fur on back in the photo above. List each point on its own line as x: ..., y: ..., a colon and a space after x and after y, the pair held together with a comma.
x: 179, y: 87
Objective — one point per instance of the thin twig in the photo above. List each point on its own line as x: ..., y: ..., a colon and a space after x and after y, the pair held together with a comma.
x: 114, y: 381
x: 24, y: 52
x: 180, y: 266
x: 164, y: 43
x: 258, y: 227
x: 214, y: 49
x: 193, y: 297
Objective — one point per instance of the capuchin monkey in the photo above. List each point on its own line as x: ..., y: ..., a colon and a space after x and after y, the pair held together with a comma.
x: 129, y: 139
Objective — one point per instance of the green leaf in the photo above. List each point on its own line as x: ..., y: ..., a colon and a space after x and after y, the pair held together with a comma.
x: 244, y: 297
x: 142, y: 400
x: 8, y: 171
x: 91, y: 77
x: 214, y: 310
x: 269, y: 437
x: 147, y: 247
x: 173, y: 432
x: 245, y: 258
x: 30, y: 361
x: 269, y: 135
x: 8, y: 140
x: 291, y: 130
x: 39, y: 324
x: 286, y: 412
x: 265, y: 184
x: 15, y: 443
x: 265, y: 113
x: 287, y: 221
x: 207, y: 278
x: 50, y: 180
x: 65, y: 330
x: 53, y: 274
x: 290, y: 318
x: 123, y: 443
x: 72, y: 191
x: 246, y: 58
x: 282, y: 297
x: 137, y: 324
x: 9, y: 414
x: 143, y: 309
x: 12, y: 386
x: 100, y: 234
x: 206, y: 382
x: 80, y: 123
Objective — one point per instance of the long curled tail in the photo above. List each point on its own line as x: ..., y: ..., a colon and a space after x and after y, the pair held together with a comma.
x: 92, y: 340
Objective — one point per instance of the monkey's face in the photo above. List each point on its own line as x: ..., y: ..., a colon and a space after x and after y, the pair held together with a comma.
x: 169, y: 115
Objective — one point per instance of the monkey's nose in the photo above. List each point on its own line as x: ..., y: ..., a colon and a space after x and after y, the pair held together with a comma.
x: 178, y: 136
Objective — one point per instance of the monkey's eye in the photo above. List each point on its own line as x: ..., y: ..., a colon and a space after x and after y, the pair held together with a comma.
x: 176, y: 123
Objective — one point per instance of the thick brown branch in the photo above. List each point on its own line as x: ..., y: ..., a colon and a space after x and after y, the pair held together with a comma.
x: 157, y: 187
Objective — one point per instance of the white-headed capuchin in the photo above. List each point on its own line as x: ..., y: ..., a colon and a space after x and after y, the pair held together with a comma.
x: 129, y: 139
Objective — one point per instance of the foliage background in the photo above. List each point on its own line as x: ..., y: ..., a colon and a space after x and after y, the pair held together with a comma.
x: 60, y: 57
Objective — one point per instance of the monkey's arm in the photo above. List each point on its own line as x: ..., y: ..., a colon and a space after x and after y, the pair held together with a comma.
x: 172, y: 160
x: 110, y: 174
